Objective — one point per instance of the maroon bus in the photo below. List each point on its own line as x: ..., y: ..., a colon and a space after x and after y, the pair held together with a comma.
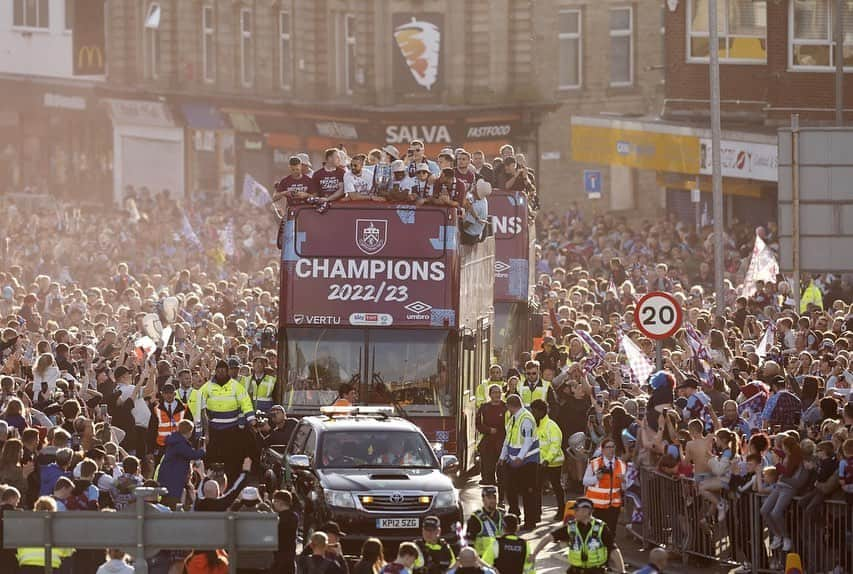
x: 386, y: 298
x: 515, y: 267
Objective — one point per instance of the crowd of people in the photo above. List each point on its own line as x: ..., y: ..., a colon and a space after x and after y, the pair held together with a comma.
x: 137, y: 349
x: 752, y: 402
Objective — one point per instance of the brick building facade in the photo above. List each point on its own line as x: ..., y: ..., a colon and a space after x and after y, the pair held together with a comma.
x: 272, y: 77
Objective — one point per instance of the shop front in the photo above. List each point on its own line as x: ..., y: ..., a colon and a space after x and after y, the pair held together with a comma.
x: 54, y: 138
x: 211, y: 161
x: 681, y: 158
x: 149, y: 150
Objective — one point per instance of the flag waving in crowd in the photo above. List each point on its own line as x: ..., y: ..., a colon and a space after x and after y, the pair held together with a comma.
x: 641, y: 366
x: 597, y: 353
x: 762, y: 267
x: 255, y: 193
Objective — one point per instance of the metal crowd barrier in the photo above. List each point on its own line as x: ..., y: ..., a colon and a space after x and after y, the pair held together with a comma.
x: 677, y: 518
x: 144, y: 532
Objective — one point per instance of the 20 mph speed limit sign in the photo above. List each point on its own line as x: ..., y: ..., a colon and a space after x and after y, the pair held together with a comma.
x: 658, y: 315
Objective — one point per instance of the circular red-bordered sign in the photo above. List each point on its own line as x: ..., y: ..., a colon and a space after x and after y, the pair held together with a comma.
x: 658, y: 315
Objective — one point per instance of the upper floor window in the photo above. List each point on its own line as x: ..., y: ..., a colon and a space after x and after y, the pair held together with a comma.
x: 69, y: 15
x: 569, y: 36
x: 621, y: 46
x: 208, y: 43
x: 345, y: 49
x: 247, y: 63
x: 741, y: 25
x: 285, y: 57
x: 31, y: 14
x: 812, y: 33
x: 151, y: 40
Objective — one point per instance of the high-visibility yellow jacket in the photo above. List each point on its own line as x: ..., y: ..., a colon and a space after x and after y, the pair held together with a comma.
x: 540, y: 391
x: 261, y: 390
x: 226, y: 404
x: 35, y: 556
x: 811, y: 295
x: 550, y: 442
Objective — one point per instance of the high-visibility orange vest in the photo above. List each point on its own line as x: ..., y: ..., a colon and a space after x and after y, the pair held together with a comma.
x: 167, y: 425
x: 607, y: 493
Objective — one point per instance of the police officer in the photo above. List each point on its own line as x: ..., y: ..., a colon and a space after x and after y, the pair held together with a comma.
x: 495, y: 378
x: 550, y: 453
x: 436, y: 554
x: 520, y: 462
x: 259, y: 384
x: 486, y: 525
x: 512, y: 554
x: 603, y: 479
x: 226, y: 404
x: 588, y: 540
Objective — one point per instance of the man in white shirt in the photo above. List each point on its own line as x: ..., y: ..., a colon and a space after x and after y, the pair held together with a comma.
x: 358, y: 183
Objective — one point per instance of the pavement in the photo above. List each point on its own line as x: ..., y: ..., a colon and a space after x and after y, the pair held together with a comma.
x: 552, y: 559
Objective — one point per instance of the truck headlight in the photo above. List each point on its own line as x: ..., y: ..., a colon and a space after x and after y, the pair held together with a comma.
x: 447, y: 499
x: 340, y: 499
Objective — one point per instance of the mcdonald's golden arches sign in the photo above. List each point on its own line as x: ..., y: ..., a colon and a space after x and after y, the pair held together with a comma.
x: 89, y: 38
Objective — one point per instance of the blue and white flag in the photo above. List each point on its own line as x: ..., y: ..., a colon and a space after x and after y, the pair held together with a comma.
x: 188, y: 233
x: 597, y: 356
x: 255, y: 193
x: 766, y: 341
x: 641, y: 366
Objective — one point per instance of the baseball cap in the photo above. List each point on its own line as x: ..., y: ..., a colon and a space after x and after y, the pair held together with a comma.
x: 168, y: 388
x: 489, y: 490
x: 432, y: 522
x: 276, y: 408
x: 583, y: 503
x: 233, y: 362
x: 422, y: 167
x: 398, y: 165
x: 303, y: 157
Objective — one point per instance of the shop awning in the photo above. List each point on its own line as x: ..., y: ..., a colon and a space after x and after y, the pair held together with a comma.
x: 146, y: 113
x: 244, y: 122
x: 200, y: 116
x: 642, y: 145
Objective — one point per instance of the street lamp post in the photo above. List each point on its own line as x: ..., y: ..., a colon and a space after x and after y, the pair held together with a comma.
x: 716, y: 174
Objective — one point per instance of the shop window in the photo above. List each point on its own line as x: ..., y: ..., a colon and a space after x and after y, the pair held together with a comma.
x: 621, y: 46
x: 570, y: 48
x: 812, y: 34
x: 208, y: 43
x: 285, y: 61
x: 151, y: 34
x: 31, y: 14
x: 741, y: 26
x: 247, y: 63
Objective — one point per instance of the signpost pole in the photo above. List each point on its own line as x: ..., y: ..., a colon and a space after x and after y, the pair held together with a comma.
x: 659, y: 354
x: 716, y: 169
